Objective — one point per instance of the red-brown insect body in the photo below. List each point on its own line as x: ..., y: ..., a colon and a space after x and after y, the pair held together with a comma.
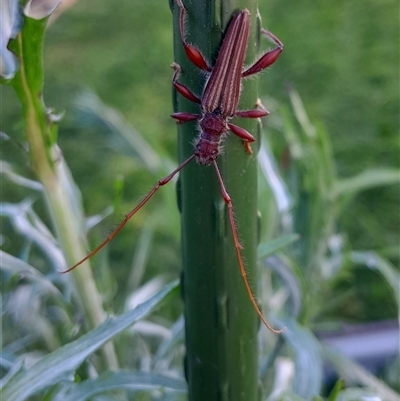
x: 212, y: 128
x: 221, y: 92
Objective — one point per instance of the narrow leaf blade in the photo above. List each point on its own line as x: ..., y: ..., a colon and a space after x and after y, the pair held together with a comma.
x: 126, y: 380
x: 270, y: 247
x: 65, y: 359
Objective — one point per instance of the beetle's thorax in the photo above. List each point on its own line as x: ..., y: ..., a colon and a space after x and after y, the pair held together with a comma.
x: 212, y: 128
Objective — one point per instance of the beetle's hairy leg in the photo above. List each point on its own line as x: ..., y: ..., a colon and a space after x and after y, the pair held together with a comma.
x: 266, y: 59
x: 238, y: 247
x: 183, y: 117
x: 259, y: 112
x: 243, y: 134
x: 253, y: 113
x: 159, y: 184
x: 182, y: 89
x: 192, y: 53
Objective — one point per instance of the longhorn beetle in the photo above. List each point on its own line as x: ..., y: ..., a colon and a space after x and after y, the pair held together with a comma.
x: 218, y: 105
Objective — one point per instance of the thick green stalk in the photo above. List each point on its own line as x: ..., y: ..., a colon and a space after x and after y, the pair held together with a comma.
x: 61, y: 195
x: 221, y: 324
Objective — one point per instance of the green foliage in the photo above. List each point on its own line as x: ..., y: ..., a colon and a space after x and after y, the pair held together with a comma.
x: 343, y: 58
x: 320, y: 257
x: 273, y: 246
x: 50, y: 369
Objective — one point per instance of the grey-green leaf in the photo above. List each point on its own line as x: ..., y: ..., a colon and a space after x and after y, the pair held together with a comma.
x: 358, y: 394
x: 7, y: 170
x: 383, y: 266
x: 307, y: 358
x: 67, y: 358
x: 292, y: 280
x: 38, y: 9
x: 289, y: 396
x: 127, y: 140
x: 270, y: 247
x: 354, y: 374
x: 123, y: 379
x: 10, y: 25
x: 17, y: 266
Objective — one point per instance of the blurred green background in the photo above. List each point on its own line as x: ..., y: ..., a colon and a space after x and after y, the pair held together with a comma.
x: 341, y: 56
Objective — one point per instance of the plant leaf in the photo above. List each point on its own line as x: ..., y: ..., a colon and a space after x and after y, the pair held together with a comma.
x: 335, y: 391
x: 177, y: 335
x: 21, y: 218
x: 389, y: 272
x: 11, y: 23
x: 358, y: 394
x: 125, y: 138
x: 121, y: 379
x: 275, y: 182
x: 7, y: 170
x: 292, y: 280
x: 38, y: 9
x: 308, y: 361
x: 65, y: 359
x: 366, y: 180
x: 289, y: 396
x: 270, y: 247
x: 354, y: 374
x: 17, y: 266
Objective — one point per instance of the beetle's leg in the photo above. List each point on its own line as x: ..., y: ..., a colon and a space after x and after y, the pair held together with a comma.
x: 259, y: 112
x: 183, y: 117
x: 156, y: 187
x: 182, y: 89
x: 253, y: 113
x: 243, y: 134
x: 268, y: 58
x: 192, y: 53
x: 238, y: 247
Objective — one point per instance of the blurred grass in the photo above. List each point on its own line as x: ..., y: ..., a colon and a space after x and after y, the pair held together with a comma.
x: 340, y: 56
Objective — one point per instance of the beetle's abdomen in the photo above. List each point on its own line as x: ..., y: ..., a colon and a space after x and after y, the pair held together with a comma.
x: 212, y: 127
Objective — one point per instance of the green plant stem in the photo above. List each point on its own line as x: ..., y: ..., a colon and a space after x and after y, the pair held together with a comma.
x: 221, y: 324
x: 61, y: 194
x: 68, y: 233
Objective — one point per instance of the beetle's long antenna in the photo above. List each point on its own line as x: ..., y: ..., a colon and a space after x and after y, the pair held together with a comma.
x: 228, y: 201
x: 160, y: 183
